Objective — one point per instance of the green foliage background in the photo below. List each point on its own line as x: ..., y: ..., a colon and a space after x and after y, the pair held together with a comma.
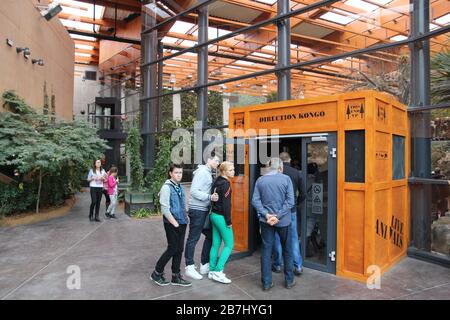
x: 48, y: 158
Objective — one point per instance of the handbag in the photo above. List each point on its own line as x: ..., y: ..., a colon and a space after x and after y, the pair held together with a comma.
x: 207, y: 224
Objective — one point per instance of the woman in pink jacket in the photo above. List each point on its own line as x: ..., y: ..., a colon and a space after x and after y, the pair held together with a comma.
x: 112, y: 192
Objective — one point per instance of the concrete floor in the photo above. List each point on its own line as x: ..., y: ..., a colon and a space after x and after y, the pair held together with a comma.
x: 116, y: 257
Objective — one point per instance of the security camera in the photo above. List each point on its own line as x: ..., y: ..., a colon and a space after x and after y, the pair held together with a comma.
x: 53, y: 9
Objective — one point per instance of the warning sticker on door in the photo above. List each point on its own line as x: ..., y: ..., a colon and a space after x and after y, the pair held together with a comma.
x: 317, y: 198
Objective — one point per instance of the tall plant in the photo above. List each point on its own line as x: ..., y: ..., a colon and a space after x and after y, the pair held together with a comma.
x: 39, y: 148
x: 397, y: 82
x: 158, y: 175
x: 133, y: 146
x: 440, y: 77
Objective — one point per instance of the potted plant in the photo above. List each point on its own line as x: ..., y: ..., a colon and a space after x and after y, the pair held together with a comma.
x: 136, y: 196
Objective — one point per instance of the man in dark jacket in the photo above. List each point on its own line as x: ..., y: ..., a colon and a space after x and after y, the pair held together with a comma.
x: 297, y: 183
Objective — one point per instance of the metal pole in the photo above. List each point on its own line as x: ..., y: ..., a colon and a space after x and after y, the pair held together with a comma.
x: 149, y: 77
x: 160, y: 84
x: 202, y: 79
x: 284, y: 52
x: 420, y: 135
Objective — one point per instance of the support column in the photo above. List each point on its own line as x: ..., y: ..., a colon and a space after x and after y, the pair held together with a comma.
x: 149, y: 78
x: 160, y: 85
x: 420, y: 127
x: 176, y: 101
x: 226, y: 107
x: 284, y: 52
x: 202, y: 78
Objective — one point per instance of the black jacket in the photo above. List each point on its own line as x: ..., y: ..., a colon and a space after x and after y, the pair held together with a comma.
x: 297, y: 182
x: 223, y: 205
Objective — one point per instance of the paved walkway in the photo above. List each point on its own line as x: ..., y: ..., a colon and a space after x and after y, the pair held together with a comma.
x: 115, y: 258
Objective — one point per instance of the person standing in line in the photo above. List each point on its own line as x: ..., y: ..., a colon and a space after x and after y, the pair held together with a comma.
x: 96, y: 177
x: 112, y: 182
x: 199, y: 203
x: 273, y: 200
x: 173, y: 207
x: 297, y: 183
x: 221, y: 224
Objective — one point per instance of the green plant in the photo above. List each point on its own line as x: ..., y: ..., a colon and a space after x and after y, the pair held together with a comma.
x: 133, y: 146
x: 143, y: 213
x: 440, y: 77
x: 158, y: 175
x: 16, y: 197
x: 52, y: 155
x: 15, y: 103
x: 397, y: 82
x: 272, y: 97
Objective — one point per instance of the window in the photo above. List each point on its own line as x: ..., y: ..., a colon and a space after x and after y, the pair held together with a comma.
x: 398, y: 157
x: 355, y: 156
x: 338, y: 16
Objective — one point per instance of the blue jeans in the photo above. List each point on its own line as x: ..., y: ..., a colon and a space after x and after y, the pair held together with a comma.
x: 196, y: 223
x: 296, y: 253
x: 268, y: 239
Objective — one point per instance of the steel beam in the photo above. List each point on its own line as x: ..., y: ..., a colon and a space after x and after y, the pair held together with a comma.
x: 284, y: 52
x: 420, y: 126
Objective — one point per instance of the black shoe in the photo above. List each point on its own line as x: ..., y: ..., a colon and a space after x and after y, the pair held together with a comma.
x: 276, y: 269
x: 107, y: 215
x: 290, y: 285
x: 113, y: 216
x: 98, y: 220
x: 159, y: 279
x: 298, y: 272
x: 268, y: 287
x: 177, y: 280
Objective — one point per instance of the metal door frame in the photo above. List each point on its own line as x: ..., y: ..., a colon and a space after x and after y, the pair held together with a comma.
x: 330, y: 267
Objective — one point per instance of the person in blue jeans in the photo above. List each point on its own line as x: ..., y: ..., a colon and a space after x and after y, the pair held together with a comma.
x: 297, y: 183
x: 273, y: 200
x: 200, y: 199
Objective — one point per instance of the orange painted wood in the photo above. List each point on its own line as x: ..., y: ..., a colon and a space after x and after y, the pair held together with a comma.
x: 372, y: 217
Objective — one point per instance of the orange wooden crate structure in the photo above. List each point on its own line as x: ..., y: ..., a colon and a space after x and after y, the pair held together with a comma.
x: 373, y: 216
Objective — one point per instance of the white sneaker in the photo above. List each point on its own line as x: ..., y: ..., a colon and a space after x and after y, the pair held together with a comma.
x: 219, y: 276
x: 192, y: 273
x: 204, y: 268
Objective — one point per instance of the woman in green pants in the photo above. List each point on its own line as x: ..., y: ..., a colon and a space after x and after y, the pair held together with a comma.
x: 221, y: 224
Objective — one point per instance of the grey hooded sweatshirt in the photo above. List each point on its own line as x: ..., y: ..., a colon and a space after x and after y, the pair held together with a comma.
x: 200, y: 194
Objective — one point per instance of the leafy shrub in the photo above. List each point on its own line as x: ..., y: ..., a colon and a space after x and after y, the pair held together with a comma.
x: 143, y: 213
x: 50, y: 157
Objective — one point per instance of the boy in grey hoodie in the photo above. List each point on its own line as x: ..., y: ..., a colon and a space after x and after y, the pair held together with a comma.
x: 199, y: 202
